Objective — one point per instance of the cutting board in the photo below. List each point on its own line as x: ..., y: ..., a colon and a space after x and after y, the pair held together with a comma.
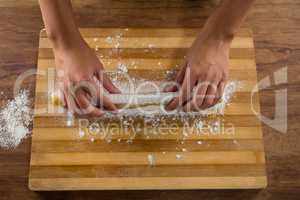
x: 61, y: 159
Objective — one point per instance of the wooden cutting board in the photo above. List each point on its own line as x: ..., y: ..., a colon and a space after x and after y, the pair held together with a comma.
x: 61, y: 160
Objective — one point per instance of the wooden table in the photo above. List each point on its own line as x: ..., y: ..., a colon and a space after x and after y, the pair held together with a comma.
x: 276, y: 29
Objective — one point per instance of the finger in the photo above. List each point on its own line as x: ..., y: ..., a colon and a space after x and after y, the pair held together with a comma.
x: 181, y: 74
x: 179, y: 79
x: 66, y: 101
x: 86, y: 106
x: 172, y: 87
x: 185, y: 92
x: 107, y: 83
x: 220, y: 91
x: 63, y: 99
x: 104, y: 102
x: 94, y: 92
x: 209, y: 96
x: 198, y: 98
x: 71, y: 106
x: 189, y: 106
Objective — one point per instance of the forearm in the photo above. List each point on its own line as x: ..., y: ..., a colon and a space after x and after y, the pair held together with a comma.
x: 227, y: 19
x: 59, y: 22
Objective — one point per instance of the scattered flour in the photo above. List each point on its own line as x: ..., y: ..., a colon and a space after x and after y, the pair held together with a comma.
x: 199, y: 124
x: 151, y: 159
x: 199, y: 142
x: 15, y: 119
x: 179, y: 156
x: 70, y: 119
x: 114, y: 40
x: 184, y: 150
x: 81, y: 133
x: 122, y: 68
x: 142, y: 99
x: 109, y: 40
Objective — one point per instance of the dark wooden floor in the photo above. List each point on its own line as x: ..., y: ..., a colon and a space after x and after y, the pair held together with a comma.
x: 276, y: 27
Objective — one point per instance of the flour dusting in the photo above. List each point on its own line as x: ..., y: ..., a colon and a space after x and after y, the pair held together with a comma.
x: 15, y: 119
x: 151, y: 159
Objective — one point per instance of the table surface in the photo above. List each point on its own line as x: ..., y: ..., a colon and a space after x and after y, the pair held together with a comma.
x: 276, y: 26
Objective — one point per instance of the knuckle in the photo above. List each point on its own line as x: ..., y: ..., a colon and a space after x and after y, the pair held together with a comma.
x: 206, y: 73
x: 199, y: 97
x: 224, y: 74
x: 214, y: 87
x: 209, y: 101
x: 198, y: 102
x: 219, y: 76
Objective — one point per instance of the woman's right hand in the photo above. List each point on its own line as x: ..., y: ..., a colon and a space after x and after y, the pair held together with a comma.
x: 81, y: 77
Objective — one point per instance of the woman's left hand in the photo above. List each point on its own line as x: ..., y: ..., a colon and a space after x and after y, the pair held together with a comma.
x: 203, y: 76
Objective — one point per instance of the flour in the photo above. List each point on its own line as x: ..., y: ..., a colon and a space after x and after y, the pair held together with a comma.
x: 122, y: 68
x: 151, y: 159
x: 114, y: 40
x: 184, y: 150
x: 179, y: 156
x: 142, y: 99
x: 15, y: 119
x: 199, y: 142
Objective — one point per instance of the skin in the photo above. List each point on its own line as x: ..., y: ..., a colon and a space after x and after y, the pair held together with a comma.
x: 203, y: 76
x: 204, y: 70
x: 77, y: 65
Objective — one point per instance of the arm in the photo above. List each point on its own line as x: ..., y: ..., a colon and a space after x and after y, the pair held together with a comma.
x: 76, y: 63
x: 206, y: 65
x: 60, y: 25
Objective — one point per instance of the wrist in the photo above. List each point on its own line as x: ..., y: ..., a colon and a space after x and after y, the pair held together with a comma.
x: 215, y: 32
x: 70, y: 48
x: 218, y: 29
x: 65, y: 41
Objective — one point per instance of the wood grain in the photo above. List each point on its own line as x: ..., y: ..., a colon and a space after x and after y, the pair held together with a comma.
x: 145, y: 171
x: 72, y: 134
x: 167, y: 150
x: 147, y: 145
x: 150, y: 42
x: 276, y: 31
x: 152, y: 183
x: 141, y: 158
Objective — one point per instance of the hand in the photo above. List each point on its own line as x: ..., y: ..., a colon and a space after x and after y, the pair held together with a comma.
x: 203, y: 76
x: 80, y: 74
